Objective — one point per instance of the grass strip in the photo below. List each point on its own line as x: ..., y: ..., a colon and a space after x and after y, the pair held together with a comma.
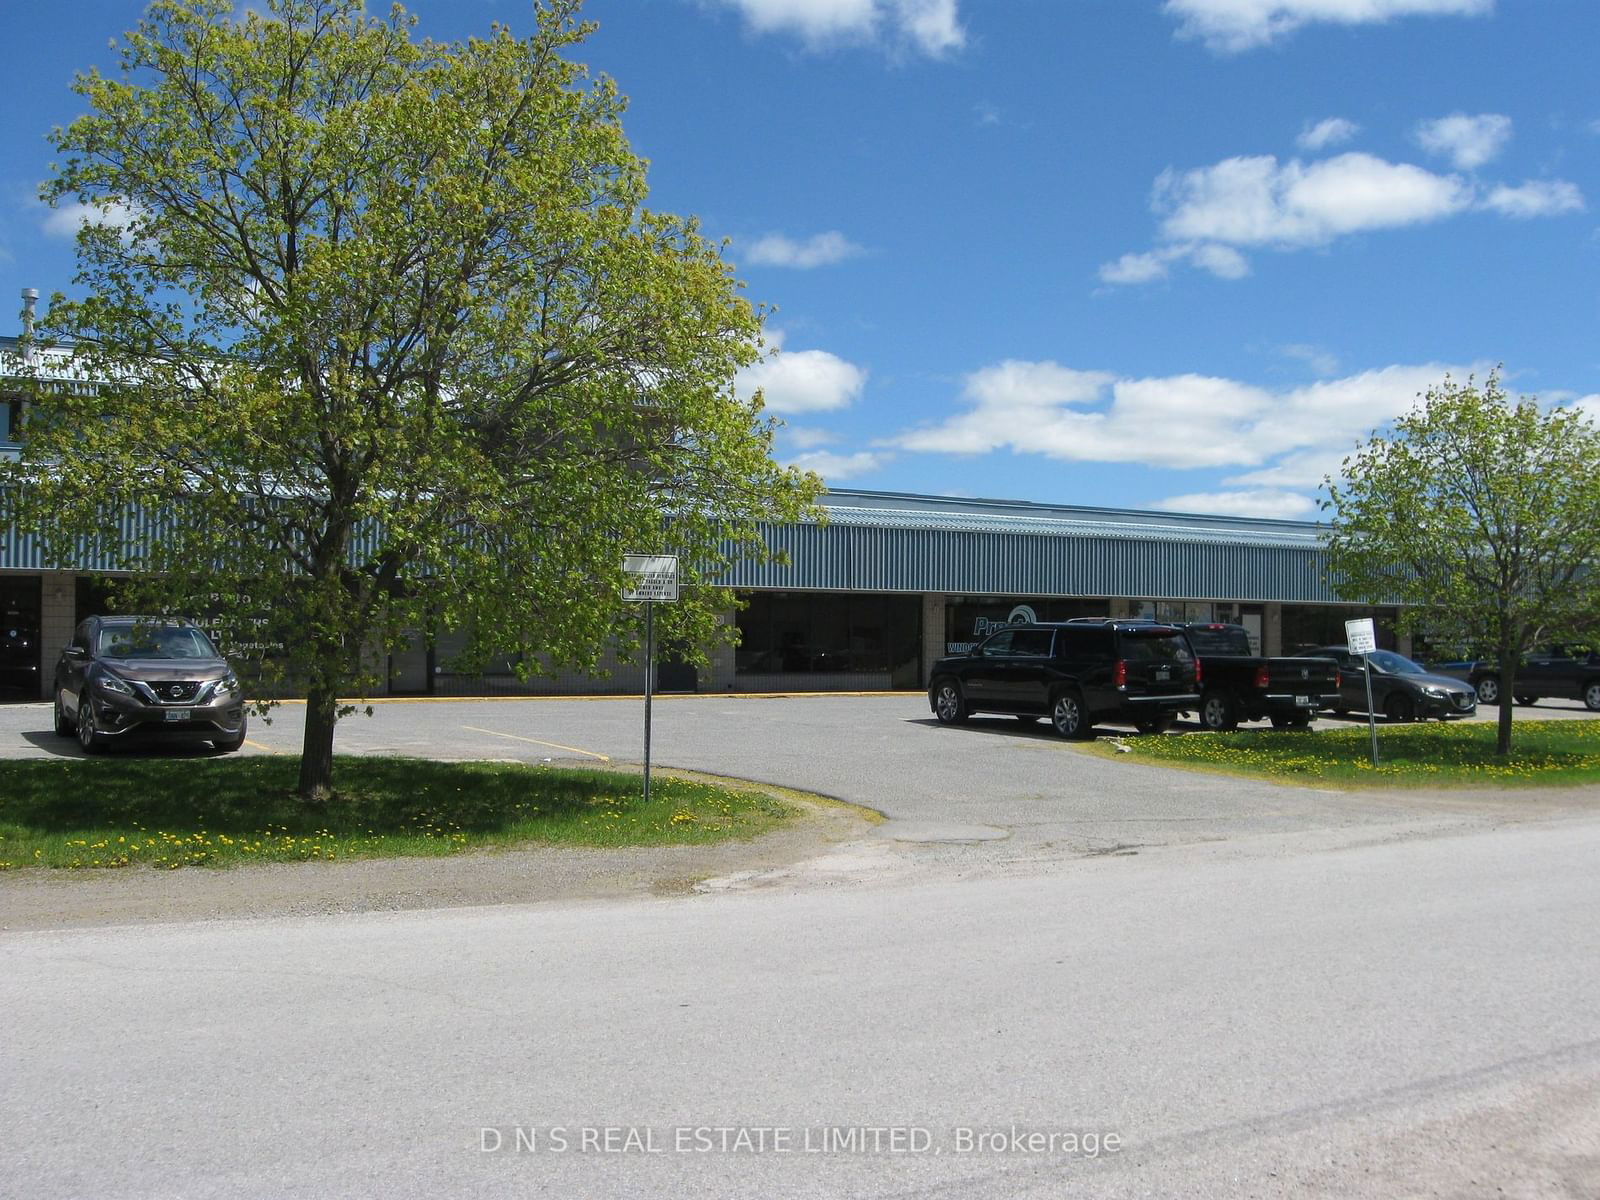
x: 1434, y: 754
x: 190, y: 812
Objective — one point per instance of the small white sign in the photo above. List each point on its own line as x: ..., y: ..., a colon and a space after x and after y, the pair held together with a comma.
x: 650, y: 576
x: 1360, y: 636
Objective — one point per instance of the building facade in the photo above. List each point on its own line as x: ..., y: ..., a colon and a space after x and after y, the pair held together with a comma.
x: 866, y: 600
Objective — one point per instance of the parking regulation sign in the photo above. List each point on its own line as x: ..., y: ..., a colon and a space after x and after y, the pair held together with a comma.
x: 1360, y: 636
x: 650, y: 576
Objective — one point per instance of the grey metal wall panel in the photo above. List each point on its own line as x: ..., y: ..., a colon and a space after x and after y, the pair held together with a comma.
x: 985, y: 549
x: 842, y: 557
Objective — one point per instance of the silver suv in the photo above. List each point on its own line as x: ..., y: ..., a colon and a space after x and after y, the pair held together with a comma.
x: 123, y: 678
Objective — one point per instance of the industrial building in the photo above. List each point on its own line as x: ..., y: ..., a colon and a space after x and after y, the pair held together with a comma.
x: 867, y: 600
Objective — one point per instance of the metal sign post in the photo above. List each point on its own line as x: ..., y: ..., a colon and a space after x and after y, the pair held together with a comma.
x: 1362, y: 639
x: 651, y: 577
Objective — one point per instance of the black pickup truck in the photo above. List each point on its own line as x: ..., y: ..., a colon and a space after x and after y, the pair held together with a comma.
x: 1241, y: 686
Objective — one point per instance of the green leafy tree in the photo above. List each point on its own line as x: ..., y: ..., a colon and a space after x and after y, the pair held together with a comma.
x: 1481, y: 517
x: 379, y: 332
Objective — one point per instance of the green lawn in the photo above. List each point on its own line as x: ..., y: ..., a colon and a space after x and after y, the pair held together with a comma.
x: 1425, y: 755
x: 178, y: 812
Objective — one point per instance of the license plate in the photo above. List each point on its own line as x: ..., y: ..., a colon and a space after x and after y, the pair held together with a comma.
x: 177, y: 714
x: 1163, y: 674
x: 1303, y: 701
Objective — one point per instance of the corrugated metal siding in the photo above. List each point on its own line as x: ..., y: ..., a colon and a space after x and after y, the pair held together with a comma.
x: 843, y: 557
x: 975, y: 551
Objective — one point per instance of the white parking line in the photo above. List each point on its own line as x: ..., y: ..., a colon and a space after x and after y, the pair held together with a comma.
x: 537, y: 742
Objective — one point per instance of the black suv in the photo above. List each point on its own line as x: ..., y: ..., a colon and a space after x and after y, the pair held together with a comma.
x: 1076, y: 672
x: 127, y: 677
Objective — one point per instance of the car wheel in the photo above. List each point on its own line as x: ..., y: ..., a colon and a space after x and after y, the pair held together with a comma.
x: 1399, y: 707
x: 948, y: 703
x: 227, y: 745
x: 1218, y: 713
x: 1067, y: 716
x: 1148, y: 725
x: 64, y: 727
x: 1528, y: 701
x: 1591, y: 696
x: 88, y: 736
x: 1488, y: 689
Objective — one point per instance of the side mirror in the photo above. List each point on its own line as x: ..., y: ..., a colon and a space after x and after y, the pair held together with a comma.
x: 76, y: 653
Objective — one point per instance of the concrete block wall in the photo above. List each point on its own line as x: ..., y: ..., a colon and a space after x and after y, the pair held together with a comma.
x: 58, y: 597
x: 933, y: 630
x: 1271, y: 630
x: 720, y: 677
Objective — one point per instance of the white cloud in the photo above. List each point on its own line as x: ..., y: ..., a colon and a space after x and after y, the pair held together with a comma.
x: 1285, y: 438
x: 1305, y: 469
x: 802, y: 380
x: 805, y: 437
x: 1588, y: 404
x: 1222, y: 261
x: 1209, y: 214
x: 1538, y: 198
x: 836, y: 468
x: 1257, y: 201
x: 1230, y: 26
x: 820, y: 250
x: 930, y: 27
x: 1335, y: 131
x: 1315, y: 357
x: 1468, y: 142
x: 65, y: 221
x: 1285, y: 506
x: 1137, y: 268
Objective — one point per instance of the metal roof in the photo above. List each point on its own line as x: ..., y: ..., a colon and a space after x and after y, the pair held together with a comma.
x: 905, y: 542
x: 892, y: 510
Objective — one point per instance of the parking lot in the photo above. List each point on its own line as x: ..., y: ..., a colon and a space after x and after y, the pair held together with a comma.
x: 989, y: 794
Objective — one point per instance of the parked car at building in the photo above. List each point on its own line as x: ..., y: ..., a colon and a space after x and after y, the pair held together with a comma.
x: 1402, y: 690
x: 1568, y: 672
x: 1076, y: 673
x: 1243, y: 686
x: 125, y: 678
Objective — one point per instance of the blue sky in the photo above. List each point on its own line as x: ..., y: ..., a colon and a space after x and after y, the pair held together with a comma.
x: 1175, y: 254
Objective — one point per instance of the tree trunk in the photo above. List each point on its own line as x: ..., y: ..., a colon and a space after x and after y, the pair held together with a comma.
x: 316, y: 754
x: 1508, y: 680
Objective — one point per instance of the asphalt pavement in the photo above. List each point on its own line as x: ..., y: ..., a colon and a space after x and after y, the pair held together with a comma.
x: 1048, y: 972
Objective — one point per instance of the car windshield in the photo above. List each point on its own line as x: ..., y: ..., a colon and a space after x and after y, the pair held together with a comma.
x: 154, y: 641
x: 1395, y: 664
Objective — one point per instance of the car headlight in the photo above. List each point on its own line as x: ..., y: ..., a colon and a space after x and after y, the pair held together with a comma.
x: 228, y: 685
x: 1438, y: 693
x: 111, y: 683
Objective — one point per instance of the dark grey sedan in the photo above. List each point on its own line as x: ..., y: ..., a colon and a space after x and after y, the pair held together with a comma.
x: 124, y: 678
x: 1401, y: 689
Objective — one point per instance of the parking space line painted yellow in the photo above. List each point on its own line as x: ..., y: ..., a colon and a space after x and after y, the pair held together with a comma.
x: 535, y: 741
x: 259, y: 746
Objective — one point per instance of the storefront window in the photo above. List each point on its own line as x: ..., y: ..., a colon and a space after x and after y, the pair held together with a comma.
x: 970, y: 621
x: 813, y: 633
x: 1307, y: 626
